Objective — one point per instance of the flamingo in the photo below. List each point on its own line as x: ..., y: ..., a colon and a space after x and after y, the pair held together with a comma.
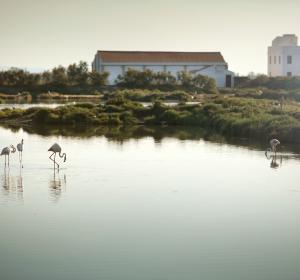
x: 55, y: 148
x: 273, y: 144
x: 20, y: 150
x: 6, y: 152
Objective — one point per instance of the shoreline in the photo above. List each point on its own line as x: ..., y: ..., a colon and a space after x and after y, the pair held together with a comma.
x: 231, y: 116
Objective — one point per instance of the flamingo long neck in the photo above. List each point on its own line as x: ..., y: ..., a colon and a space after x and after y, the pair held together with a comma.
x: 13, y: 149
x: 62, y: 155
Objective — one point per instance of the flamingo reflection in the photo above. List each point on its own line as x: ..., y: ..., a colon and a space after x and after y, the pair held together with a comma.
x: 57, y: 184
x: 10, y: 189
x: 277, y: 160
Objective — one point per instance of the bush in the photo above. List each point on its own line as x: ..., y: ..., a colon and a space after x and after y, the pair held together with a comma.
x: 171, y: 117
x: 286, y: 83
x: 148, y: 79
x: 45, y: 115
x: 82, y: 117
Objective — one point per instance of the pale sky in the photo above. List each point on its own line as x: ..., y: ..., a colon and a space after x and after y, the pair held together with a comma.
x: 46, y: 33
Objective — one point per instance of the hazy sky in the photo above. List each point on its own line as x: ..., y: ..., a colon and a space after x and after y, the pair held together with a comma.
x: 46, y: 33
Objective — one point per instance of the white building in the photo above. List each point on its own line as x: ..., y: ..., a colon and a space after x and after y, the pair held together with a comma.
x: 211, y: 64
x: 284, y: 56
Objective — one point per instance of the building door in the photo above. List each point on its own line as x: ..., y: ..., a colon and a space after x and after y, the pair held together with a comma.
x: 228, y: 81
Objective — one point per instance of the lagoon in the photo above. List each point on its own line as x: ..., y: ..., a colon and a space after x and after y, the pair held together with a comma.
x: 148, y: 208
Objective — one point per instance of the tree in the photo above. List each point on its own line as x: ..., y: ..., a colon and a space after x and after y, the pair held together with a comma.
x: 78, y: 73
x: 46, y: 77
x: 210, y: 86
x: 165, y: 80
x: 59, y: 76
x: 136, y: 79
x: 185, y: 79
x: 98, y: 79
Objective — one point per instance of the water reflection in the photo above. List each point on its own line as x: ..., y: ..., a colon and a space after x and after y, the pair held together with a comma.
x: 274, y: 163
x: 12, y: 186
x: 276, y: 160
x: 158, y: 133
x: 20, y: 179
x: 58, y: 184
x: 6, y: 180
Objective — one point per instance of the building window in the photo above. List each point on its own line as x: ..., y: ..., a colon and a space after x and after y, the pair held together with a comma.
x: 289, y: 74
x: 274, y: 59
x: 279, y: 59
x: 270, y: 60
x: 289, y: 59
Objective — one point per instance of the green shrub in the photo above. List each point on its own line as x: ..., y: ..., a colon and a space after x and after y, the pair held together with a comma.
x: 85, y: 105
x: 171, y: 117
x: 46, y: 116
x: 127, y: 118
x: 82, y: 117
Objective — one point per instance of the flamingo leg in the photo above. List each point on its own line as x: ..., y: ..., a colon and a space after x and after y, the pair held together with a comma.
x: 56, y: 162
x: 52, y: 159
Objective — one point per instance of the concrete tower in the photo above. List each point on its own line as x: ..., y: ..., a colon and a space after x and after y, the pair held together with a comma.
x: 284, y: 56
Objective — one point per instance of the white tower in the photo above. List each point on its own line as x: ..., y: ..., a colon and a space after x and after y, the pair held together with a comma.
x: 284, y: 56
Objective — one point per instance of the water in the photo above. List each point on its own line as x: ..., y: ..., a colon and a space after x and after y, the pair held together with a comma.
x: 56, y: 104
x: 177, y: 207
x: 33, y: 105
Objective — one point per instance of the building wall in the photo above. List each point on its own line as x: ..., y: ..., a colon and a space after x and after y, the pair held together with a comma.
x: 217, y: 71
x: 282, y: 48
x: 275, y: 61
x: 174, y: 69
x: 294, y: 67
x: 278, y: 61
x: 114, y: 72
x: 155, y: 68
x: 285, y: 40
x: 134, y: 67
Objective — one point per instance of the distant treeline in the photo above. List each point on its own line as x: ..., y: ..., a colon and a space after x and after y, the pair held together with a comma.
x: 76, y: 78
x: 263, y: 81
x: 58, y: 79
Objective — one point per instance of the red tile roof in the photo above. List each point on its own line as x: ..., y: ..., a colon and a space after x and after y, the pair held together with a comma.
x: 160, y: 57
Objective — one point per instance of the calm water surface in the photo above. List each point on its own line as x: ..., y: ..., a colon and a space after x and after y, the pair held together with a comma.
x: 53, y: 105
x: 140, y: 209
x: 33, y: 105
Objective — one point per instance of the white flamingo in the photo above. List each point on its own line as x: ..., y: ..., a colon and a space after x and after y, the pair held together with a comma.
x: 55, y: 148
x: 20, y: 150
x: 6, y: 152
x: 273, y: 144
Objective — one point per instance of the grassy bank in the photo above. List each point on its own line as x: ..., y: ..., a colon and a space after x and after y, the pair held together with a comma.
x: 229, y: 116
x: 264, y: 93
x: 144, y: 95
x: 17, y: 98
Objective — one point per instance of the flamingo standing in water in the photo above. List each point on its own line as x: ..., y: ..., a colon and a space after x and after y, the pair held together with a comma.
x: 273, y: 144
x: 6, y: 152
x: 55, y: 148
x: 20, y: 150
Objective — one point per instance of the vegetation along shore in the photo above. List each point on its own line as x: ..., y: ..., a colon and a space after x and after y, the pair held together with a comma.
x: 230, y: 116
